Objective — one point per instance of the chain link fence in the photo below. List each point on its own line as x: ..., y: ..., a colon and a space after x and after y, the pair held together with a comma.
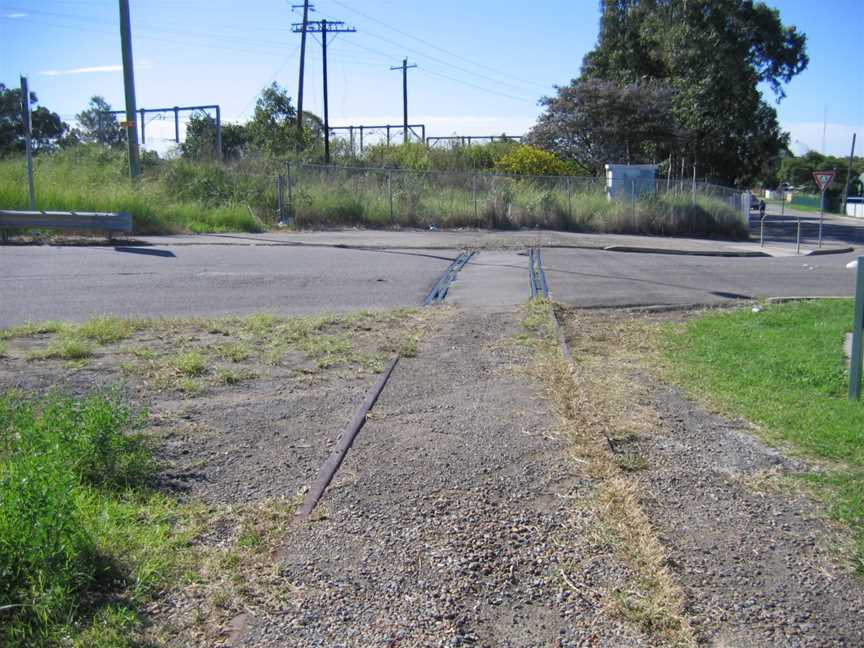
x: 316, y: 195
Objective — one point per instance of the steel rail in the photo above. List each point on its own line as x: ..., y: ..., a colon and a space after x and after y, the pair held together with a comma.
x: 346, y: 439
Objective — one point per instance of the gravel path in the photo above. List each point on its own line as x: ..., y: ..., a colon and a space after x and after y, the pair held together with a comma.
x: 753, y: 564
x: 455, y: 520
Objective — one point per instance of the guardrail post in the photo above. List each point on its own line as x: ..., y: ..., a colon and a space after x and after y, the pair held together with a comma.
x: 857, y: 333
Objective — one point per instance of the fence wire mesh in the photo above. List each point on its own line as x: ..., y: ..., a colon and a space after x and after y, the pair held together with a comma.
x: 330, y: 195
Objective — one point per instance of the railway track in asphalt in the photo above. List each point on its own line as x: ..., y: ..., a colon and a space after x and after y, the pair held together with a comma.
x: 538, y: 287
x: 331, y: 465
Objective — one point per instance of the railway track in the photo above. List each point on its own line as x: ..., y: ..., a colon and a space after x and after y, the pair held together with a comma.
x: 329, y: 468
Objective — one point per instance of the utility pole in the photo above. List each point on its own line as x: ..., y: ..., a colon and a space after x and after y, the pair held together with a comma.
x: 306, y: 7
x: 848, y: 175
x: 404, y: 67
x: 129, y: 86
x: 325, y: 27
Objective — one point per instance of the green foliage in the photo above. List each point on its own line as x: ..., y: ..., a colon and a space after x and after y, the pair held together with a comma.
x: 98, y: 125
x: 47, y: 127
x: 200, y: 142
x: 596, y: 122
x: 714, y: 54
x: 783, y: 368
x: 273, y: 128
x: 76, y: 522
x: 530, y: 160
x: 797, y: 172
x: 173, y: 196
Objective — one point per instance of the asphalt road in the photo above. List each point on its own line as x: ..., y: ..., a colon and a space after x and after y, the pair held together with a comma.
x: 74, y: 283
x: 590, y: 278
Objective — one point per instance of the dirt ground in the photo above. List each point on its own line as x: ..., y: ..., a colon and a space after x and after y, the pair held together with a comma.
x: 467, y: 512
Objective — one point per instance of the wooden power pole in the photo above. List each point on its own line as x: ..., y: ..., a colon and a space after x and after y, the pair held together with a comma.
x: 325, y: 27
x: 129, y: 86
x: 306, y: 7
x: 404, y: 67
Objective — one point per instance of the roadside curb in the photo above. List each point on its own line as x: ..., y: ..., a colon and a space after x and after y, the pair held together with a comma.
x: 713, y: 253
x: 824, y: 251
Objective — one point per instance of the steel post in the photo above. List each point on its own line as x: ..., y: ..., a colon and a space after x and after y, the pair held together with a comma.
x: 291, y: 215
x: 857, y: 333
x: 821, y: 217
x: 280, y: 196
x: 28, y: 141
x: 390, y: 197
x: 218, y: 133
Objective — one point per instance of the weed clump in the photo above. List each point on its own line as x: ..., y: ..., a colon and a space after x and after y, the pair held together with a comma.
x: 73, y: 513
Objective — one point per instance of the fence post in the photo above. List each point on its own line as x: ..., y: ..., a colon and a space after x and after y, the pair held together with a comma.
x: 570, y: 198
x: 390, y: 195
x: 633, y: 199
x: 291, y: 218
x: 280, y: 196
x: 474, y: 194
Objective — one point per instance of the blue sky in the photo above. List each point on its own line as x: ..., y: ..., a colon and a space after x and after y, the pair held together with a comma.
x: 482, y: 64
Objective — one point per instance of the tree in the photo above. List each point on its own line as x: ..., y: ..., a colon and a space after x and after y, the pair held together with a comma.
x: 594, y: 122
x: 46, y: 127
x: 200, y: 140
x: 713, y: 54
x: 98, y: 125
x: 273, y: 127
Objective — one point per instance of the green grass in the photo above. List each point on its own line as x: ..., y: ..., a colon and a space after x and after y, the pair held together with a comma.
x: 83, y: 540
x: 783, y: 368
x: 186, y: 196
x: 65, y: 347
x: 107, y: 329
x: 176, y: 196
x: 188, y: 364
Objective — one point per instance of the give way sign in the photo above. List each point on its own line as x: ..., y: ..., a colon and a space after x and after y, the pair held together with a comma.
x: 823, y: 179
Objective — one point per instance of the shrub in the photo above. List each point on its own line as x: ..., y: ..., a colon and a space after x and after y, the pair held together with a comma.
x: 530, y: 160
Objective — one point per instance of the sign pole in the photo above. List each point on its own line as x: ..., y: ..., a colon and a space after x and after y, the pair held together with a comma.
x: 857, y: 334
x: 28, y: 139
x: 821, y: 216
x: 823, y: 179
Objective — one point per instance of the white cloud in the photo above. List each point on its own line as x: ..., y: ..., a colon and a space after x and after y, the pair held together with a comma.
x: 806, y: 136
x: 16, y: 15
x: 83, y: 70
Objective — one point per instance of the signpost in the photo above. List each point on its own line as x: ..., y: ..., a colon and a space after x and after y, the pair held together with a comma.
x: 28, y: 138
x: 857, y: 332
x: 823, y: 179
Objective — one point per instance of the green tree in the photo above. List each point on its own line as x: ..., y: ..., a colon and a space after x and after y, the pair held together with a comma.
x: 714, y: 54
x: 273, y: 128
x: 46, y: 127
x: 98, y: 125
x: 200, y: 140
x: 594, y: 121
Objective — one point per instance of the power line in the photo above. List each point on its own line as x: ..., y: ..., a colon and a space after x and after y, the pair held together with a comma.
x: 324, y: 28
x: 434, y: 46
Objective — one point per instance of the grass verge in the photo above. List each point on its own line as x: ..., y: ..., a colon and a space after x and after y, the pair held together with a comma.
x: 88, y: 547
x: 783, y: 368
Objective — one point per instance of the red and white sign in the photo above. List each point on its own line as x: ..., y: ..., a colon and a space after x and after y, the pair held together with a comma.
x: 823, y: 179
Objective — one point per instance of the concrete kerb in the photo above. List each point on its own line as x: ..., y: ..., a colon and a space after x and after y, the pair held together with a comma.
x: 721, y: 253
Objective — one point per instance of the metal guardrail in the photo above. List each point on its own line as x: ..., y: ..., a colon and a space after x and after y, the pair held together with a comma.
x: 103, y: 221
